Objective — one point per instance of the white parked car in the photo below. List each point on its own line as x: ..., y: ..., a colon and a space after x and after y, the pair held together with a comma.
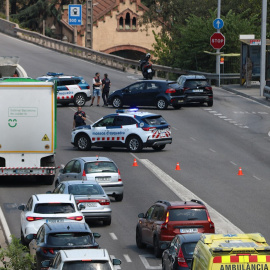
x: 50, y: 208
x: 82, y: 259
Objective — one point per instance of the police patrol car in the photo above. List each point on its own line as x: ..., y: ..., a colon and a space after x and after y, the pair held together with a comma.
x: 70, y: 89
x: 126, y: 128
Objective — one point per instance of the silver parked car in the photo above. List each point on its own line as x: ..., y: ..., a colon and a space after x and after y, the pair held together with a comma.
x: 101, y: 169
x: 90, y: 197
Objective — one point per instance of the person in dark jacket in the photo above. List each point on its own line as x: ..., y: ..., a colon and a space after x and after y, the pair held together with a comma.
x: 79, y: 118
x: 106, y: 84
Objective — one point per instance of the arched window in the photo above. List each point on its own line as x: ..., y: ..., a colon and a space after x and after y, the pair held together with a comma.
x: 134, y: 23
x: 121, y: 23
x: 127, y: 21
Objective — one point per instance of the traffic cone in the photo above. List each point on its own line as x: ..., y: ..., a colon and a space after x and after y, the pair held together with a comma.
x: 177, y: 167
x: 135, y: 163
x: 240, y: 171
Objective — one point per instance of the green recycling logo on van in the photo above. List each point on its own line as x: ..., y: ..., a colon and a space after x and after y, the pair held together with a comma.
x: 12, y: 123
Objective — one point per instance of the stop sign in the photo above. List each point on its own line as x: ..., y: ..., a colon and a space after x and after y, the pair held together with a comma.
x: 217, y: 40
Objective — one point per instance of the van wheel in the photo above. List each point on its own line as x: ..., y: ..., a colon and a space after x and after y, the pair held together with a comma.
x: 157, y: 250
x: 83, y: 142
x: 139, y: 241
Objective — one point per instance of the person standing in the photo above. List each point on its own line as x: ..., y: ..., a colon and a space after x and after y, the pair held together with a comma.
x: 106, y: 84
x: 79, y: 118
x: 96, y: 89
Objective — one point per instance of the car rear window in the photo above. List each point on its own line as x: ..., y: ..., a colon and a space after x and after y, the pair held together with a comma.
x: 69, y: 239
x: 188, y: 249
x: 87, y: 265
x: 186, y: 214
x: 100, y: 167
x: 195, y: 83
x: 154, y: 120
x: 54, y: 208
x: 85, y: 189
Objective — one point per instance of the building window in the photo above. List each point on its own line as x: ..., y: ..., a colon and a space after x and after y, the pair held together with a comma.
x: 121, y: 23
x: 134, y: 23
x: 127, y: 21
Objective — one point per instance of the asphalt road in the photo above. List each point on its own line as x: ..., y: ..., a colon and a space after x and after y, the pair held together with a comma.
x: 210, y: 145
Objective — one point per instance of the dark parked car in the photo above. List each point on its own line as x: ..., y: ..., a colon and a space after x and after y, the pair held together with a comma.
x: 53, y: 237
x: 196, y: 89
x: 164, y: 220
x: 159, y: 93
x: 179, y: 253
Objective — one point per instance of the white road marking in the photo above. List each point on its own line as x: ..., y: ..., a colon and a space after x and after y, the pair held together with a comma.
x: 113, y: 236
x: 127, y: 258
x: 218, y: 114
x: 145, y: 262
x: 193, y: 139
x: 233, y: 163
x: 228, y: 119
x: 222, y: 116
x: 212, y: 150
x: 269, y: 133
x: 212, y: 111
x: 256, y: 177
x: 222, y: 224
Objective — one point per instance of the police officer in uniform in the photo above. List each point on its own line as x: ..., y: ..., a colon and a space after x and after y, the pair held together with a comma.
x: 106, y: 84
x: 79, y: 118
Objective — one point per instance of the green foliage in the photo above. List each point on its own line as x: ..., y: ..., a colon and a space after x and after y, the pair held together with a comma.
x: 16, y: 256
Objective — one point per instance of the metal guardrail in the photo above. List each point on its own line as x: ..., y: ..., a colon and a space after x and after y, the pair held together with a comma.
x: 99, y: 57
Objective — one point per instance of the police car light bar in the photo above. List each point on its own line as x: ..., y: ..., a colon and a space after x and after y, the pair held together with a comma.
x: 128, y: 110
x: 54, y: 74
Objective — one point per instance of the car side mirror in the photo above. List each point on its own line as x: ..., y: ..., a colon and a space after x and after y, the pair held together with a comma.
x: 141, y: 215
x: 116, y: 262
x: 61, y: 170
x: 81, y: 207
x: 21, y: 207
x: 96, y: 235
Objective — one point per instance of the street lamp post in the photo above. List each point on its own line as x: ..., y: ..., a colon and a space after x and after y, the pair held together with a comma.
x: 7, y: 10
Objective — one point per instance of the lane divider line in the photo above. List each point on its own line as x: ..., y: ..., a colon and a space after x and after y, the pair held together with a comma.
x: 113, y: 236
x: 127, y: 258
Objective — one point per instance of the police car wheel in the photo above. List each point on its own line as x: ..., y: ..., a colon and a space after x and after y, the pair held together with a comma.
x: 162, y: 104
x: 79, y: 100
x: 83, y: 142
x: 159, y: 147
x: 117, y: 102
x: 134, y: 144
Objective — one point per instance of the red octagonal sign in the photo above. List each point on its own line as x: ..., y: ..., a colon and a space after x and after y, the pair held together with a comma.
x: 217, y: 40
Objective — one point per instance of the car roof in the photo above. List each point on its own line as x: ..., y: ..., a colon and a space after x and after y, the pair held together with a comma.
x: 94, y: 159
x: 78, y: 182
x: 84, y: 254
x: 190, y: 77
x: 66, y: 227
x: 190, y: 237
x: 161, y: 81
x: 182, y: 203
x: 53, y: 198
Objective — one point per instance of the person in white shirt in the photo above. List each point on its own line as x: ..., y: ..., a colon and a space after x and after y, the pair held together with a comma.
x: 96, y: 89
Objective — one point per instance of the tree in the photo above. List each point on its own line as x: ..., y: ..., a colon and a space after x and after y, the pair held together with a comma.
x: 16, y: 256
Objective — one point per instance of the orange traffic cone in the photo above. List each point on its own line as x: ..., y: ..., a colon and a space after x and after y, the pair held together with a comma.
x: 135, y: 163
x: 177, y: 167
x: 240, y: 171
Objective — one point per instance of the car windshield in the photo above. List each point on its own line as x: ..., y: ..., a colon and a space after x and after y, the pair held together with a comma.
x: 188, y: 249
x: 195, y: 83
x: 154, y: 120
x: 69, y: 239
x: 85, y: 189
x: 100, y: 167
x: 54, y: 208
x: 181, y: 214
x: 87, y: 265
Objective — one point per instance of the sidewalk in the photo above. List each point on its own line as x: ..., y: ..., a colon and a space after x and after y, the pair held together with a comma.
x: 252, y: 92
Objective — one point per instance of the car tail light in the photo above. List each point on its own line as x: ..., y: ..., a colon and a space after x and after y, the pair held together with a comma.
x: 208, y: 88
x: 164, y: 225
x: 33, y: 218
x: 104, y: 202
x: 46, y: 250
x: 84, y: 177
x: 212, y: 225
x: 148, y: 128
x: 87, y: 87
x: 181, y: 259
x: 119, y: 176
x: 77, y: 218
x: 170, y: 91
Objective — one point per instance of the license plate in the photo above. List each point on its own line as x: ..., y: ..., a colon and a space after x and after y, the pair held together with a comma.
x: 162, y: 134
x: 55, y: 220
x: 91, y: 204
x: 191, y: 230
x: 149, y: 70
x: 103, y: 178
x: 22, y: 171
x: 180, y: 101
x: 198, y: 91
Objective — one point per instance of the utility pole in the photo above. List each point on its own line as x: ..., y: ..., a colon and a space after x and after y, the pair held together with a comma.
x: 218, y: 50
x: 89, y: 24
x: 7, y: 10
x: 263, y: 45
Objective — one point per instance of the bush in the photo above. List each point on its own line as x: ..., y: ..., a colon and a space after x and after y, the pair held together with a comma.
x: 16, y: 256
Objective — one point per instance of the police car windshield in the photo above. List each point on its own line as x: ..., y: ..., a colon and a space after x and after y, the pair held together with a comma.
x: 100, y: 167
x: 154, y: 120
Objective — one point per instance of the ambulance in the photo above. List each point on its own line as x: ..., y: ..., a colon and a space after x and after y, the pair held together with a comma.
x: 231, y: 252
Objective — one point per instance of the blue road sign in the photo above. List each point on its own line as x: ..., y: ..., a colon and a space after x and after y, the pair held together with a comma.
x: 75, y: 14
x: 218, y: 23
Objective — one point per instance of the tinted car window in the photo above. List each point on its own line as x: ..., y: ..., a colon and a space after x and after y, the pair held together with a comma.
x: 84, y: 265
x: 124, y: 121
x: 154, y: 120
x: 182, y: 214
x: 68, y: 239
x: 99, y: 167
x: 85, y: 189
x: 188, y: 249
x: 195, y: 83
x: 54, y: 208
x: 108, y: 121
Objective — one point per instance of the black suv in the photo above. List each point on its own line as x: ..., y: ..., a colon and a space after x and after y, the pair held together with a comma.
x: 196, y: 89
x: 159, y: 93
x: 165, y: 219
x: 51, y: 238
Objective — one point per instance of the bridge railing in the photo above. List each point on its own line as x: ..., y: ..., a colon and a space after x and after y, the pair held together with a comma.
x: 113, y: 61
